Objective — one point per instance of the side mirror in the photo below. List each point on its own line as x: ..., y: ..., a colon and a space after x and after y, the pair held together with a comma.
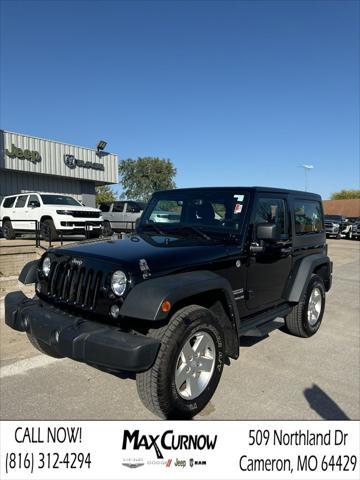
x: 137, y: 223
x: 269, y: 232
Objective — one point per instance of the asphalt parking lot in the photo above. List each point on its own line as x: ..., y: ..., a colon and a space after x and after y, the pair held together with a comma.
x: 276, y: 377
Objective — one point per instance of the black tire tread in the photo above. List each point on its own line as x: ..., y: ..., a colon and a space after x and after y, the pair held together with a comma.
x: 54, y: 233
x: 294, y: 320
x: 11, y: 234
x: 148, y: 388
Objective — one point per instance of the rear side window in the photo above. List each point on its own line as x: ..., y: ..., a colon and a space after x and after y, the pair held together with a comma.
x: 21, y: 201
x: 118, y: 207
x: 9, y: 202
x: 308, y: 217
x: 133, y: 208
x: 105, y: 207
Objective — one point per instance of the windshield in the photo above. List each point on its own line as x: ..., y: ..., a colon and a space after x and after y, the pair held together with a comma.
x: 195, y: 211
x: 59, y: 200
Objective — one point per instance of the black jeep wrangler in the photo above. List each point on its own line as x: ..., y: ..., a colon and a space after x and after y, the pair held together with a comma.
x: 170, y: 302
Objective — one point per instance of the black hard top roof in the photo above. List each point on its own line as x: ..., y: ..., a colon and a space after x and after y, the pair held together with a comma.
x: 255, y: 189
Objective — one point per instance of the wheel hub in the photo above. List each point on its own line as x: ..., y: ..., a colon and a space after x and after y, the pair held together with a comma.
x: 314, y: 306
x: 195, y: 365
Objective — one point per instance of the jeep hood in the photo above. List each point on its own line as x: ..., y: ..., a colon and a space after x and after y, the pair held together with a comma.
x: 163, y: 254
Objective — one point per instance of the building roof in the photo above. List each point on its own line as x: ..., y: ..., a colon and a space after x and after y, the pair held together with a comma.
x: 348, y: 208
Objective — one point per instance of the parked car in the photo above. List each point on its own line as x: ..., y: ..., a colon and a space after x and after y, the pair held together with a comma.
x: 337, y: 226
x: 354, y: 232
x: 120, y: 216
x: 162, y: 216
x: 54, y: 214
x: 170, y: 302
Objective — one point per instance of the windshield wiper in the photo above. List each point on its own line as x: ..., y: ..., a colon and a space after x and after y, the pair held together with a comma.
x: 154, y: 227
x: 199, y: 232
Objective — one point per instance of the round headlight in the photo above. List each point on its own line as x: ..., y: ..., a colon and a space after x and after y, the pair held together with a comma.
x: 118, y: 282
x: 46, y: 266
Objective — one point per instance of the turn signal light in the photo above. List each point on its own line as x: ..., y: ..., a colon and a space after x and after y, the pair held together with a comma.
x: 165, y: 306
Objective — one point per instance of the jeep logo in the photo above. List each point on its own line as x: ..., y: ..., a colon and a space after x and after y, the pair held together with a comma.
x: 77, y: 261
x: 16, y: 152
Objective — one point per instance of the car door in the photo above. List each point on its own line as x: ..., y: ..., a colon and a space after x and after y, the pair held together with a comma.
x: 32, y: 210
x: 18, y: 216
x: 117, y: 216
x: 267, y: 271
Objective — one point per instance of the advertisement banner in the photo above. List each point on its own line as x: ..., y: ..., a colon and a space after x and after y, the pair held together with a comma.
x: 192, y: 450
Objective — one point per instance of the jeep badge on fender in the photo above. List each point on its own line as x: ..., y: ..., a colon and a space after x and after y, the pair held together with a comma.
x: 170, y: 301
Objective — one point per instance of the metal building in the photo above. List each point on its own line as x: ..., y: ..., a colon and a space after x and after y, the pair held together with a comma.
x: 35, y: 164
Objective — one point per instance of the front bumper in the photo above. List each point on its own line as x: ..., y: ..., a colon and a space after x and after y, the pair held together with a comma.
x: 75, y: 337
x: 332, y: 231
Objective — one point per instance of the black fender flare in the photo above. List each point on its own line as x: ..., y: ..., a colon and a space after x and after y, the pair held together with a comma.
x: 301, y: 278
x: 144, y: 301
x: 28, y: 274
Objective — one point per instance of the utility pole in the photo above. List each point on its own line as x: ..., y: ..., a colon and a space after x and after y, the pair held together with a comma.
x: 306, y: 169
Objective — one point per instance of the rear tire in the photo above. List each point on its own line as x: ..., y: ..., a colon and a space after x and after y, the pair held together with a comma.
x: 162, y: 389
x: 48, y: 231
x: 305, y: 318
x: 107, y: 230
x: 8, y: 230
x: 43, y: 347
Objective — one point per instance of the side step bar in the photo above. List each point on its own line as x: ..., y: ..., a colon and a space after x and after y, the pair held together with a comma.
x: 252, y: 325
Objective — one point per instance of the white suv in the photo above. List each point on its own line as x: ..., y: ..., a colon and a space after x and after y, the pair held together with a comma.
x: 54, y: 214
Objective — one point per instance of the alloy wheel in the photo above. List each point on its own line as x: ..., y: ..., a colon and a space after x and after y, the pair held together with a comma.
x: 314, y: 306
x: 195, y: 365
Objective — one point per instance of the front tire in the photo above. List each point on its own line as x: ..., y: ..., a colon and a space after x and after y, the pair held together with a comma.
x: 43, y: 347
x: 305, y: 318
x: 188, y: 366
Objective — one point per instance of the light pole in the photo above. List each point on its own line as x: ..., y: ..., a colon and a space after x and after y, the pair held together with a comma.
x: 306, y: 169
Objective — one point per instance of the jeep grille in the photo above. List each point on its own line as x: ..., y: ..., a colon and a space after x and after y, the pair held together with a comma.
x: 74, y: 285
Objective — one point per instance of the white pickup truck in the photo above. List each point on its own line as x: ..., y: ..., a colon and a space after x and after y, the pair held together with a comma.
x: 54, y: 214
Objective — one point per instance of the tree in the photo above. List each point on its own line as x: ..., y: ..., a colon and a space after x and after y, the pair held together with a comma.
x: 104, y: 194
x: 145, y: 175
x: 345, y: 195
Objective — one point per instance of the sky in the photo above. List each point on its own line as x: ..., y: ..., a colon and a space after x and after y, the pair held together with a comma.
x: 233, y: 92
